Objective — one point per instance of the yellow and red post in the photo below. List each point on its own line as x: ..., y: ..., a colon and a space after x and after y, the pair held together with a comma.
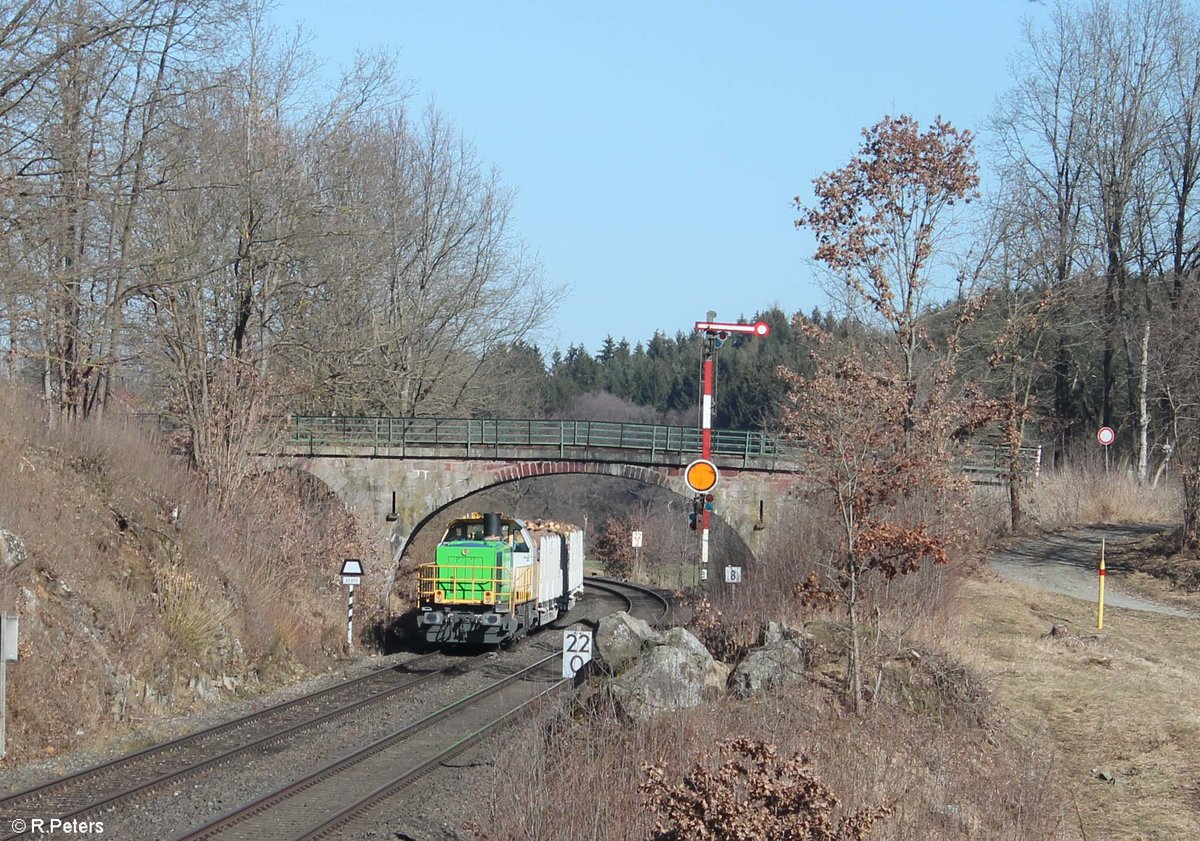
x: 1100, y: 602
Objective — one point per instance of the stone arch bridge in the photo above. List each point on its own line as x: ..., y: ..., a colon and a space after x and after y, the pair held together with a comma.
x: 404, y: 472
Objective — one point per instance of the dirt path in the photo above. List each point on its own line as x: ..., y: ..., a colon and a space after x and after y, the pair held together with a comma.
x: 1067, y: 563
x: 1109, y: 714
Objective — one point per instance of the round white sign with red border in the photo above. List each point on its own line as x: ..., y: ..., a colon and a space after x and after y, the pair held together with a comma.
x: 1105, y: 435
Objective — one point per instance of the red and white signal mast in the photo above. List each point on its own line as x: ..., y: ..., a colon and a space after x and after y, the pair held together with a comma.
x: 715, y: 334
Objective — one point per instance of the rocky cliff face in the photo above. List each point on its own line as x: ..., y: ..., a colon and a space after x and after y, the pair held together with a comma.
x: 138, y: 598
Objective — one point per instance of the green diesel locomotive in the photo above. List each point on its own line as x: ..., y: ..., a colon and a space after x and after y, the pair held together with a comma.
x: 496, y: 578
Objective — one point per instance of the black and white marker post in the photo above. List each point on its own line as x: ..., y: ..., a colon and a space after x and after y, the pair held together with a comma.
x: 8, y: 654
x: 351, y: 575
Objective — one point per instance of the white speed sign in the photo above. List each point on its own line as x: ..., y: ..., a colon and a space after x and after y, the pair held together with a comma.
x: 577, y: 651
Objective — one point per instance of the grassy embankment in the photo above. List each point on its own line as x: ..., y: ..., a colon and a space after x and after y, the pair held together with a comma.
x: 1118, y: 701
x: 982, y: 725
x: 139, y: 598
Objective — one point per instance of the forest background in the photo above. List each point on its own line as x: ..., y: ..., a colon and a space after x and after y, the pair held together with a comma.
x: 197, y: 227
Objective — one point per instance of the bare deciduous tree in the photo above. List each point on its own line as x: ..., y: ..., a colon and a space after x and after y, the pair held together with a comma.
x: 881, y: 219
x: 851, y: 417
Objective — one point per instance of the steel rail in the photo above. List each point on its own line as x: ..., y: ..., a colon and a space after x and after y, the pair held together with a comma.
x: 611, y: 584
x: 616, y: 591
x: 390, y: 787
x: 212, y: 760
x: 407, y: 778
x: 235, y: 816
x: 78, y: 776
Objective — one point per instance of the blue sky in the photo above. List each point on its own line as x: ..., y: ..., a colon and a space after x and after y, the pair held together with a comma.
x: 656, y: 147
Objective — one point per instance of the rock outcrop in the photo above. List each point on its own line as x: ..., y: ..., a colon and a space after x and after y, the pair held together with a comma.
x: 655, y: 672
x: 782, y: 658
x: 620, y: 640
x: 12, y: 550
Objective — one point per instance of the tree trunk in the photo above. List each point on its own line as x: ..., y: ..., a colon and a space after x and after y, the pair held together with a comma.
x: 1190, y: 479
x: 854, y: 663
x: 1143, y: 454
x: 1062, y: 397
x: 1014, y: 503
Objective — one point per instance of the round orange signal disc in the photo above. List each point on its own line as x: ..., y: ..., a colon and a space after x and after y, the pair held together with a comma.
x: 701, y: 475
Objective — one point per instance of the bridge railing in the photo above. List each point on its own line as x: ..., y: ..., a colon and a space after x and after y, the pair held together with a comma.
x: 989, y: 463
x: 566, y: 439
x: 478, y: 436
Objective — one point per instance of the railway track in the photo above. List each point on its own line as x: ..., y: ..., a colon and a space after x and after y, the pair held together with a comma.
x: 351, y: 786
x: 92, y: 789
x: 340, y: 790
x: 336, y: 793
x: 656, y: 606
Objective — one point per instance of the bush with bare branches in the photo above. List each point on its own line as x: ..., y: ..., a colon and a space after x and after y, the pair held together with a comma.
x: 755, y: 793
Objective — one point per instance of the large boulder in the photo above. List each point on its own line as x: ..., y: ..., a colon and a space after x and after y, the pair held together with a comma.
x: 676, y: 672
x: 621, y: 639
x: 782, y: 659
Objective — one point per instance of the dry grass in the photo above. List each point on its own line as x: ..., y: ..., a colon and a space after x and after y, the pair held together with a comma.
x: 945, y: 776
x: 137, y: 588
x: 1079, y: 495
x: 1002, y: 748
x: 1120, y: 700
x: 931, y: 744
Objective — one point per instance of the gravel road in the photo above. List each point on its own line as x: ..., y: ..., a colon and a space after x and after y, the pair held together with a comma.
x: 1067, y: 563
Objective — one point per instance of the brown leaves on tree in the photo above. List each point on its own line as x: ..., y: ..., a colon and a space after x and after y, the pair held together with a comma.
x: 754, y: 794
x: 882, y: 209
x: 613, y: 546
x: 878, y: 219
x: 878, y: 447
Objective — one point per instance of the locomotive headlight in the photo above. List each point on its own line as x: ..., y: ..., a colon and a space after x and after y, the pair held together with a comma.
x: 489, y: 597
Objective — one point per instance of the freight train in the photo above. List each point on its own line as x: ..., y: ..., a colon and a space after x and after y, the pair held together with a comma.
x: 496, y: 578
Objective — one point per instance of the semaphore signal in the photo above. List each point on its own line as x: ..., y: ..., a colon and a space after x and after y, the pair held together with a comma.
x: 758, y: 328
x: 715, y: 333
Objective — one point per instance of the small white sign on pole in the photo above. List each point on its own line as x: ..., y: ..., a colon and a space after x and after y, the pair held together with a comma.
x: 8, y: 638
x: 8, y: 654
x: 733, y: 575
x: 351, y: 577
x: 577, y: 651
x: 352, y: 572
x: 636, y: 539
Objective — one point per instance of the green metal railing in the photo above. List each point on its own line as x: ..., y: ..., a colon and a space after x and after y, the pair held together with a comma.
x: 569, y: 439
x: 483, y: 436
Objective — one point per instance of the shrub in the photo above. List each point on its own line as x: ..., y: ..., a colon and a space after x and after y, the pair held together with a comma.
x: 753, y: 794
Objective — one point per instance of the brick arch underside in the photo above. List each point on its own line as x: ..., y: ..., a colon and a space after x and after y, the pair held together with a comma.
x: 669, y: 479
